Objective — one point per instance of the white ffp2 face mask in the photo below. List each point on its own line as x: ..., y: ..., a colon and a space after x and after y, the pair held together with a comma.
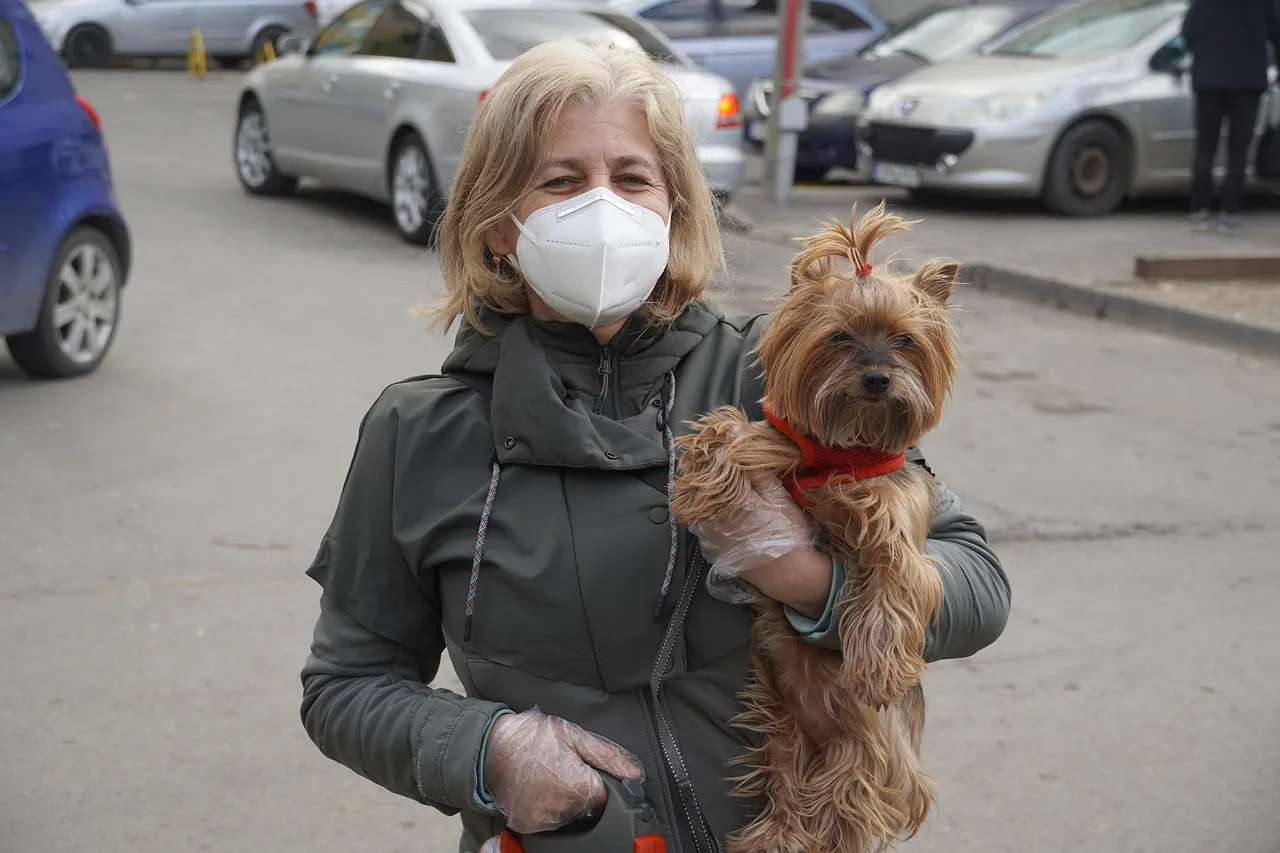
x: 593, y: 258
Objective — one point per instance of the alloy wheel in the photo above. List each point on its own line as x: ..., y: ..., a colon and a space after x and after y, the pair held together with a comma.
x: 84, y: 314
x: 253, y: 150
x: 1091, y: 170
x: 409, y: 188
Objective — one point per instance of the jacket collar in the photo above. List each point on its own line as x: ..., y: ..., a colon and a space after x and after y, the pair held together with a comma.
x: 546, y: 380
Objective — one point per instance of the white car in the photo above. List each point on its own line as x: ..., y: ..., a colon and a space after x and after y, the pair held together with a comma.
x: 90, y: 33
x: 379, y: 102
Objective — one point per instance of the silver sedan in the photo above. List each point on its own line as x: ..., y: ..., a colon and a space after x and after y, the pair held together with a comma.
x: 379, y: 101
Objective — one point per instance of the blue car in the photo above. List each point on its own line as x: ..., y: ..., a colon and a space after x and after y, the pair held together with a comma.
x: 836, y: 89
x: 64, y: 245
x: 737, y: 39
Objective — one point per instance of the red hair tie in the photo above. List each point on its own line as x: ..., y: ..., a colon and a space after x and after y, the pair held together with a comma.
x: 864, y: 269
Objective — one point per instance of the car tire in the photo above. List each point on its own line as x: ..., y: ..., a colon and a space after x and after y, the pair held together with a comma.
x: 1089, y: 169
x: 80, y: 312
x: 251, y: 155
x: 270, y: 34
x: 415, y: 207
x: 810, y: 174
x: 87, y: 46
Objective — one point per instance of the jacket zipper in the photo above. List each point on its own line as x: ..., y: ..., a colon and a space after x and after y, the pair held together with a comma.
x: 606, y: 372
x: 703, y: 839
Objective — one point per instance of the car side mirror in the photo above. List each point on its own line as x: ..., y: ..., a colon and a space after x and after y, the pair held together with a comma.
x: 1171, y: 59
x: 293, y: 43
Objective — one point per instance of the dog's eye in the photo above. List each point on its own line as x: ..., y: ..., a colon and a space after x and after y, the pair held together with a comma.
x: 903, y: 341
x: 841, y: 338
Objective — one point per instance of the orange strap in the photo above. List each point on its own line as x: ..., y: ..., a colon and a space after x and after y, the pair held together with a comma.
x: 508, y: 843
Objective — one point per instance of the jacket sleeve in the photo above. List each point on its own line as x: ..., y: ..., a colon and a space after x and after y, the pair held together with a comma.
x: 377, y: 644
x: 1191, y: 23
x: 975, y: 590
x: 1273, y: 30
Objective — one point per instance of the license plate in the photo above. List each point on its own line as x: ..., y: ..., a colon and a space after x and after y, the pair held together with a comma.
x: 895, y: 174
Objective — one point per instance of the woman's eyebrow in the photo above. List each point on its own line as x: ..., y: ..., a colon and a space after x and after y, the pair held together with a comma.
x: 574, y: 163
x: 627, y: 161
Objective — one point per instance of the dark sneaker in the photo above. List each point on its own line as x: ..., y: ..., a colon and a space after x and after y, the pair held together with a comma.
x: 1201, y: 220
x: 1228, y: 223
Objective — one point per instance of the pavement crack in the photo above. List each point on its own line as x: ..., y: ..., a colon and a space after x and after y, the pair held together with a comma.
x: 1197, y: 529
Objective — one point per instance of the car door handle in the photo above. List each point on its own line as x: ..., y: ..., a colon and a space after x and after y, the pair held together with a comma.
x: 393, y: 89
x: 330, y: 82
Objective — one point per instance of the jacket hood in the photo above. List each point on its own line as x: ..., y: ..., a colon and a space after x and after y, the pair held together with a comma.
x: 551, y: 380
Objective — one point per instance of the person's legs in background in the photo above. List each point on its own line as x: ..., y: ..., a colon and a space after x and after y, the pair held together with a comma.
x: 1211, y: 109
x: 1242, y: 113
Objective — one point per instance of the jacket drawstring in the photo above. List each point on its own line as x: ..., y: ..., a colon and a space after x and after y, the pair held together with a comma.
x: 479, y: 555
x: 664, y: 422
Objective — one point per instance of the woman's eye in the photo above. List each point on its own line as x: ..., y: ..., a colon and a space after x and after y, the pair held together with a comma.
x: 903, y: 341
x: 633, y: 180
x: 556, y: 183
x: 841, y: 338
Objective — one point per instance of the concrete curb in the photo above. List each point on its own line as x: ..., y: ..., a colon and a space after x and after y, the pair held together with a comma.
x: 1123, y: 308
x: 735, y: 220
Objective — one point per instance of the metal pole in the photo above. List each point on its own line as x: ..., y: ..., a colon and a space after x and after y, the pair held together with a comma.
x: 788, y: 115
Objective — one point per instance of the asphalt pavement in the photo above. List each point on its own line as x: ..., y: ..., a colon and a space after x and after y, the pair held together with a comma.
x: 156, y: 519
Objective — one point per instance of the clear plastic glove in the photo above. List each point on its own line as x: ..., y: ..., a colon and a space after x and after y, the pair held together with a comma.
x: 770, y: 526
x: 542, y: 770
x: 493, y: 845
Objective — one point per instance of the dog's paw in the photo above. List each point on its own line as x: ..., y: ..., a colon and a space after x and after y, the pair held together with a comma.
x: 709, y: 483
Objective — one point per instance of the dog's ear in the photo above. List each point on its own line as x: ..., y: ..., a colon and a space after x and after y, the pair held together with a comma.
x: 937, y: 279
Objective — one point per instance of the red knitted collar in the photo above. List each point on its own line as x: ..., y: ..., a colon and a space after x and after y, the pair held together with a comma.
x: 821, y: 464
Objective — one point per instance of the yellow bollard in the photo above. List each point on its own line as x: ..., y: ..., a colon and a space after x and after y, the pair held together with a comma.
x: 266, y: 54
x: 197, y: 60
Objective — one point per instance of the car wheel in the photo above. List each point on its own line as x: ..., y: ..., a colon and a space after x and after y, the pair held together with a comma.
x: 87, y: 47
x: 810, y: 174
x: 1088, y: 172
x: 412, y: 192
x: 271, y: 35
x: 80, y: 312
x: 254, y: 165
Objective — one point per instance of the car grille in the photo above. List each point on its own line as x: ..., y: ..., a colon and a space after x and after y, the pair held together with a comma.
x: 915, y: 146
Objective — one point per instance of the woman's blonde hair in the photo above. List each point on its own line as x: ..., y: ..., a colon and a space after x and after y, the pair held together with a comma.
x: 507, y: 143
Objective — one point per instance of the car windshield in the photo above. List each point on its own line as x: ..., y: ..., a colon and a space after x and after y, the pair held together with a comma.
x: 1091, y: 28
x: 943, y: 34
x: 507, y: 33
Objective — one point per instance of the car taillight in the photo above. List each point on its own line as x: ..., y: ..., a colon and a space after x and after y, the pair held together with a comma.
x: 729, y: 113
x: 483, y: 95
x: 312, y: 9
x: 90, y: 111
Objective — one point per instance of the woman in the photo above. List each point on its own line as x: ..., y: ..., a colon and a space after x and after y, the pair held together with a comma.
x: 513, y: 511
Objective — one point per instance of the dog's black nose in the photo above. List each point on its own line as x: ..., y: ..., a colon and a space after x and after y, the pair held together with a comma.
x: 876, y: 382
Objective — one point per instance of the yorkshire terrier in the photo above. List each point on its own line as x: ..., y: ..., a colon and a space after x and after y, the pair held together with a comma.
x: 857, y: 364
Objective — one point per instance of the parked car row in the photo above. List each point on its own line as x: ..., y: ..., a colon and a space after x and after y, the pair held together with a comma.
x: 1081, y: 103
x: 378, y: 102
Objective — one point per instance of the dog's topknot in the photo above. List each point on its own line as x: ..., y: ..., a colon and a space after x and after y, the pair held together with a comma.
x: 852, y: 242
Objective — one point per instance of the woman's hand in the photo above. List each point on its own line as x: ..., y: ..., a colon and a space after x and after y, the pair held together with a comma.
x: 541, y: 770
x: 769, y: 543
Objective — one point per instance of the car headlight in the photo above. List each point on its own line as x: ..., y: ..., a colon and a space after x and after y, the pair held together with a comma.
x: 881, y: 100
x: 1010, y: 105
x: 840, y: 104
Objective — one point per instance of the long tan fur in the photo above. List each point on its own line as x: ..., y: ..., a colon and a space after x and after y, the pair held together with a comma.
x: 837, y: 767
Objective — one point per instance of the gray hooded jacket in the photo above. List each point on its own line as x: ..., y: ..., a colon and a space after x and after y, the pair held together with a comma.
x: 560, y: 604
